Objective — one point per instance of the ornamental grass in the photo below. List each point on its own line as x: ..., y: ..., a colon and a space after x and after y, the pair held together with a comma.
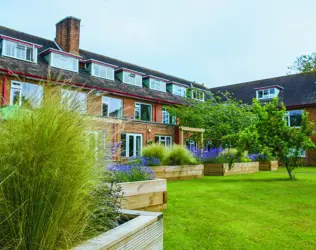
x: 48, y: 175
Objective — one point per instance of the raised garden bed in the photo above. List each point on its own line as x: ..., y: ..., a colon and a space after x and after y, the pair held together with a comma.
x: 268, y: 165
x: 143, y: 231
x: 150, y: 195
x: 184, y: 172
x: 222, y: 169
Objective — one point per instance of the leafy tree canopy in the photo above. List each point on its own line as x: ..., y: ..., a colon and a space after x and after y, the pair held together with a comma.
x: 303, y: 64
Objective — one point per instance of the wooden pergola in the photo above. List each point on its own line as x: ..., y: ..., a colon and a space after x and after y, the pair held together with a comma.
x: 183, y: 129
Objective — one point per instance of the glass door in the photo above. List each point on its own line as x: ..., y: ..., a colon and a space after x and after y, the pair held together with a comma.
x: 133, y: 145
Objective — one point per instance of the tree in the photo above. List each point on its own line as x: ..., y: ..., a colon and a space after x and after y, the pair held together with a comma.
x: 271, y: 135
x: 219, y: 115
x: 304, y: 63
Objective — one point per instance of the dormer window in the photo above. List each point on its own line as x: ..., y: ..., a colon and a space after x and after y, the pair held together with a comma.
x: 19, y: 49
x: 268, y: 93
x: 179, y: 90
x: 61, y: 60
x: 101, y: 69
x: 197, y: 95
x: 130, y: 77
x: 155, y: 83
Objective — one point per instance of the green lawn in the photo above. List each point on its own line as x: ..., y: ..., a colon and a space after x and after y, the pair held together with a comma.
x: 255, y: 211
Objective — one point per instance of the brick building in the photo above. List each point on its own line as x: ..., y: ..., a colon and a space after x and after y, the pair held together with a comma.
x: 125, y: 100
x: 298, y: 92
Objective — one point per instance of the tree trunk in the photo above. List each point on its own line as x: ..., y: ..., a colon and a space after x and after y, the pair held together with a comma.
x: 289, y: 171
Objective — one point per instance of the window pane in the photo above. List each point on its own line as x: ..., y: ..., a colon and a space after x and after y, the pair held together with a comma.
x: 168, y: 142
x: 123, y: 145
x: 295, y: 118
x: 104, y: 109
x: 145, y: 112
x: 137, y: 111
x: 260, y: 94
x: 115, y: 107
x: 32, y: 95
x: 156, y: 139
x: 15, y: 96
x: 130, y: 145
x: 64, y: 62
x: 75, y: 100
x: 138, y: 145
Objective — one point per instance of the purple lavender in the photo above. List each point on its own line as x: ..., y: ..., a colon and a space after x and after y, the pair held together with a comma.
x: 131, y: 172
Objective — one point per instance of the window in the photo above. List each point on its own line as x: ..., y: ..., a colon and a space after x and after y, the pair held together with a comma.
x: 157, y: 85
x: 163, y: 140
x: 132, y: 78
x: 19, y: 51
x: 166, y: 118
x: 131, y: 145
x: 96, y: 140
x: 294, y: 118
x: 111, y: 107
x: 26, y: 94
x: 178, y: 90
x: 299, y: 153
x: 75, y: 100
x: 197, y: 95
x: 142, y: 112
x: 191, y: 145
x: 102, y: 71
x: 267, y: 93
x: 64, y: 62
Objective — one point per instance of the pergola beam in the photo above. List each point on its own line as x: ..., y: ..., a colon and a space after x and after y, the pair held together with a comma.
x: 199, y: 130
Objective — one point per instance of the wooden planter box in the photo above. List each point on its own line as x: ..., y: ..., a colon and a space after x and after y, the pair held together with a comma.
x: 143, y: 231
x: 268, y: 165
x: 222, y: 169
x: 185, y: 172
x: 148, y: 195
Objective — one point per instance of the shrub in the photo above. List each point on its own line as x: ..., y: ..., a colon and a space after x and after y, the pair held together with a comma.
x: 49, y: 176
x: 131, y: 172
x: 228, y: 152
x: 155, y: 151
x: 179, y: 155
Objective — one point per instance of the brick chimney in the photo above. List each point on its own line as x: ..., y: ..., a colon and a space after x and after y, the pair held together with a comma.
x: 68, y: 34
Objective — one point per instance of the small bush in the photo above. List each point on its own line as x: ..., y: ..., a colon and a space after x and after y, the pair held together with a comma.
x: 131, y: 172
x: 179, y: 155
x: 228, y: 152
x: 155, y: 151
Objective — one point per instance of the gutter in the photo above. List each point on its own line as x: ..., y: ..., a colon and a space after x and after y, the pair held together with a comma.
x: 88, y: 87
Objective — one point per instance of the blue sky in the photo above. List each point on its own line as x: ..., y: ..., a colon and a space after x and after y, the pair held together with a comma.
x: 208, y: 41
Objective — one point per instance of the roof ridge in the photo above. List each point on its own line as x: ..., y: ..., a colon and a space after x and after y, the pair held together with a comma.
x: 271, y: 78
x: 181, y: 79
x: 1, y: 26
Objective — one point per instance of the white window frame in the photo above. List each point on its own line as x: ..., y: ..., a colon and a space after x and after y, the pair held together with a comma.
x: 163, y: 138
x: 18, y: 85
x: 103, y: 101
x: 134, y: 144
x: 179, y: 88
x: 267, y: 95
x: 198, y: 92
x: 166, y: 115
x: 51, y: 63
x: 129, y: 75
x: 287, y: 117
x: 109, y: 71
x: 140, y: 111
x: 34, y: 51
x: 72, y: 94
x: 153, y: 83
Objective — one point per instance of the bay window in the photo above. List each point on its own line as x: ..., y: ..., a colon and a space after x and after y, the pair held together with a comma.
x: 112, y: 107
x: 143, y: 112
x: 26, y: 94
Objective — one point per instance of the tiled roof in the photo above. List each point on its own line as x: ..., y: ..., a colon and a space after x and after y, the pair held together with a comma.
x: 298, y: 89
x: 42, y: 69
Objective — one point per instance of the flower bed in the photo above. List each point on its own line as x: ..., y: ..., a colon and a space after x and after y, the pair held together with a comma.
x: 149, y: 195
x: 222, y: 169
x: 143, y: 231
x: 268, y: 165
x: 181, y: 172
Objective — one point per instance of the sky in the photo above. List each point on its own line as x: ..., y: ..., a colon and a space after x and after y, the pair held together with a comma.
x: 214, y: 42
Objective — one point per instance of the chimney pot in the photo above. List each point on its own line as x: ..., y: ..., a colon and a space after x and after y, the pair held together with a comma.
x: 68, y: 34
